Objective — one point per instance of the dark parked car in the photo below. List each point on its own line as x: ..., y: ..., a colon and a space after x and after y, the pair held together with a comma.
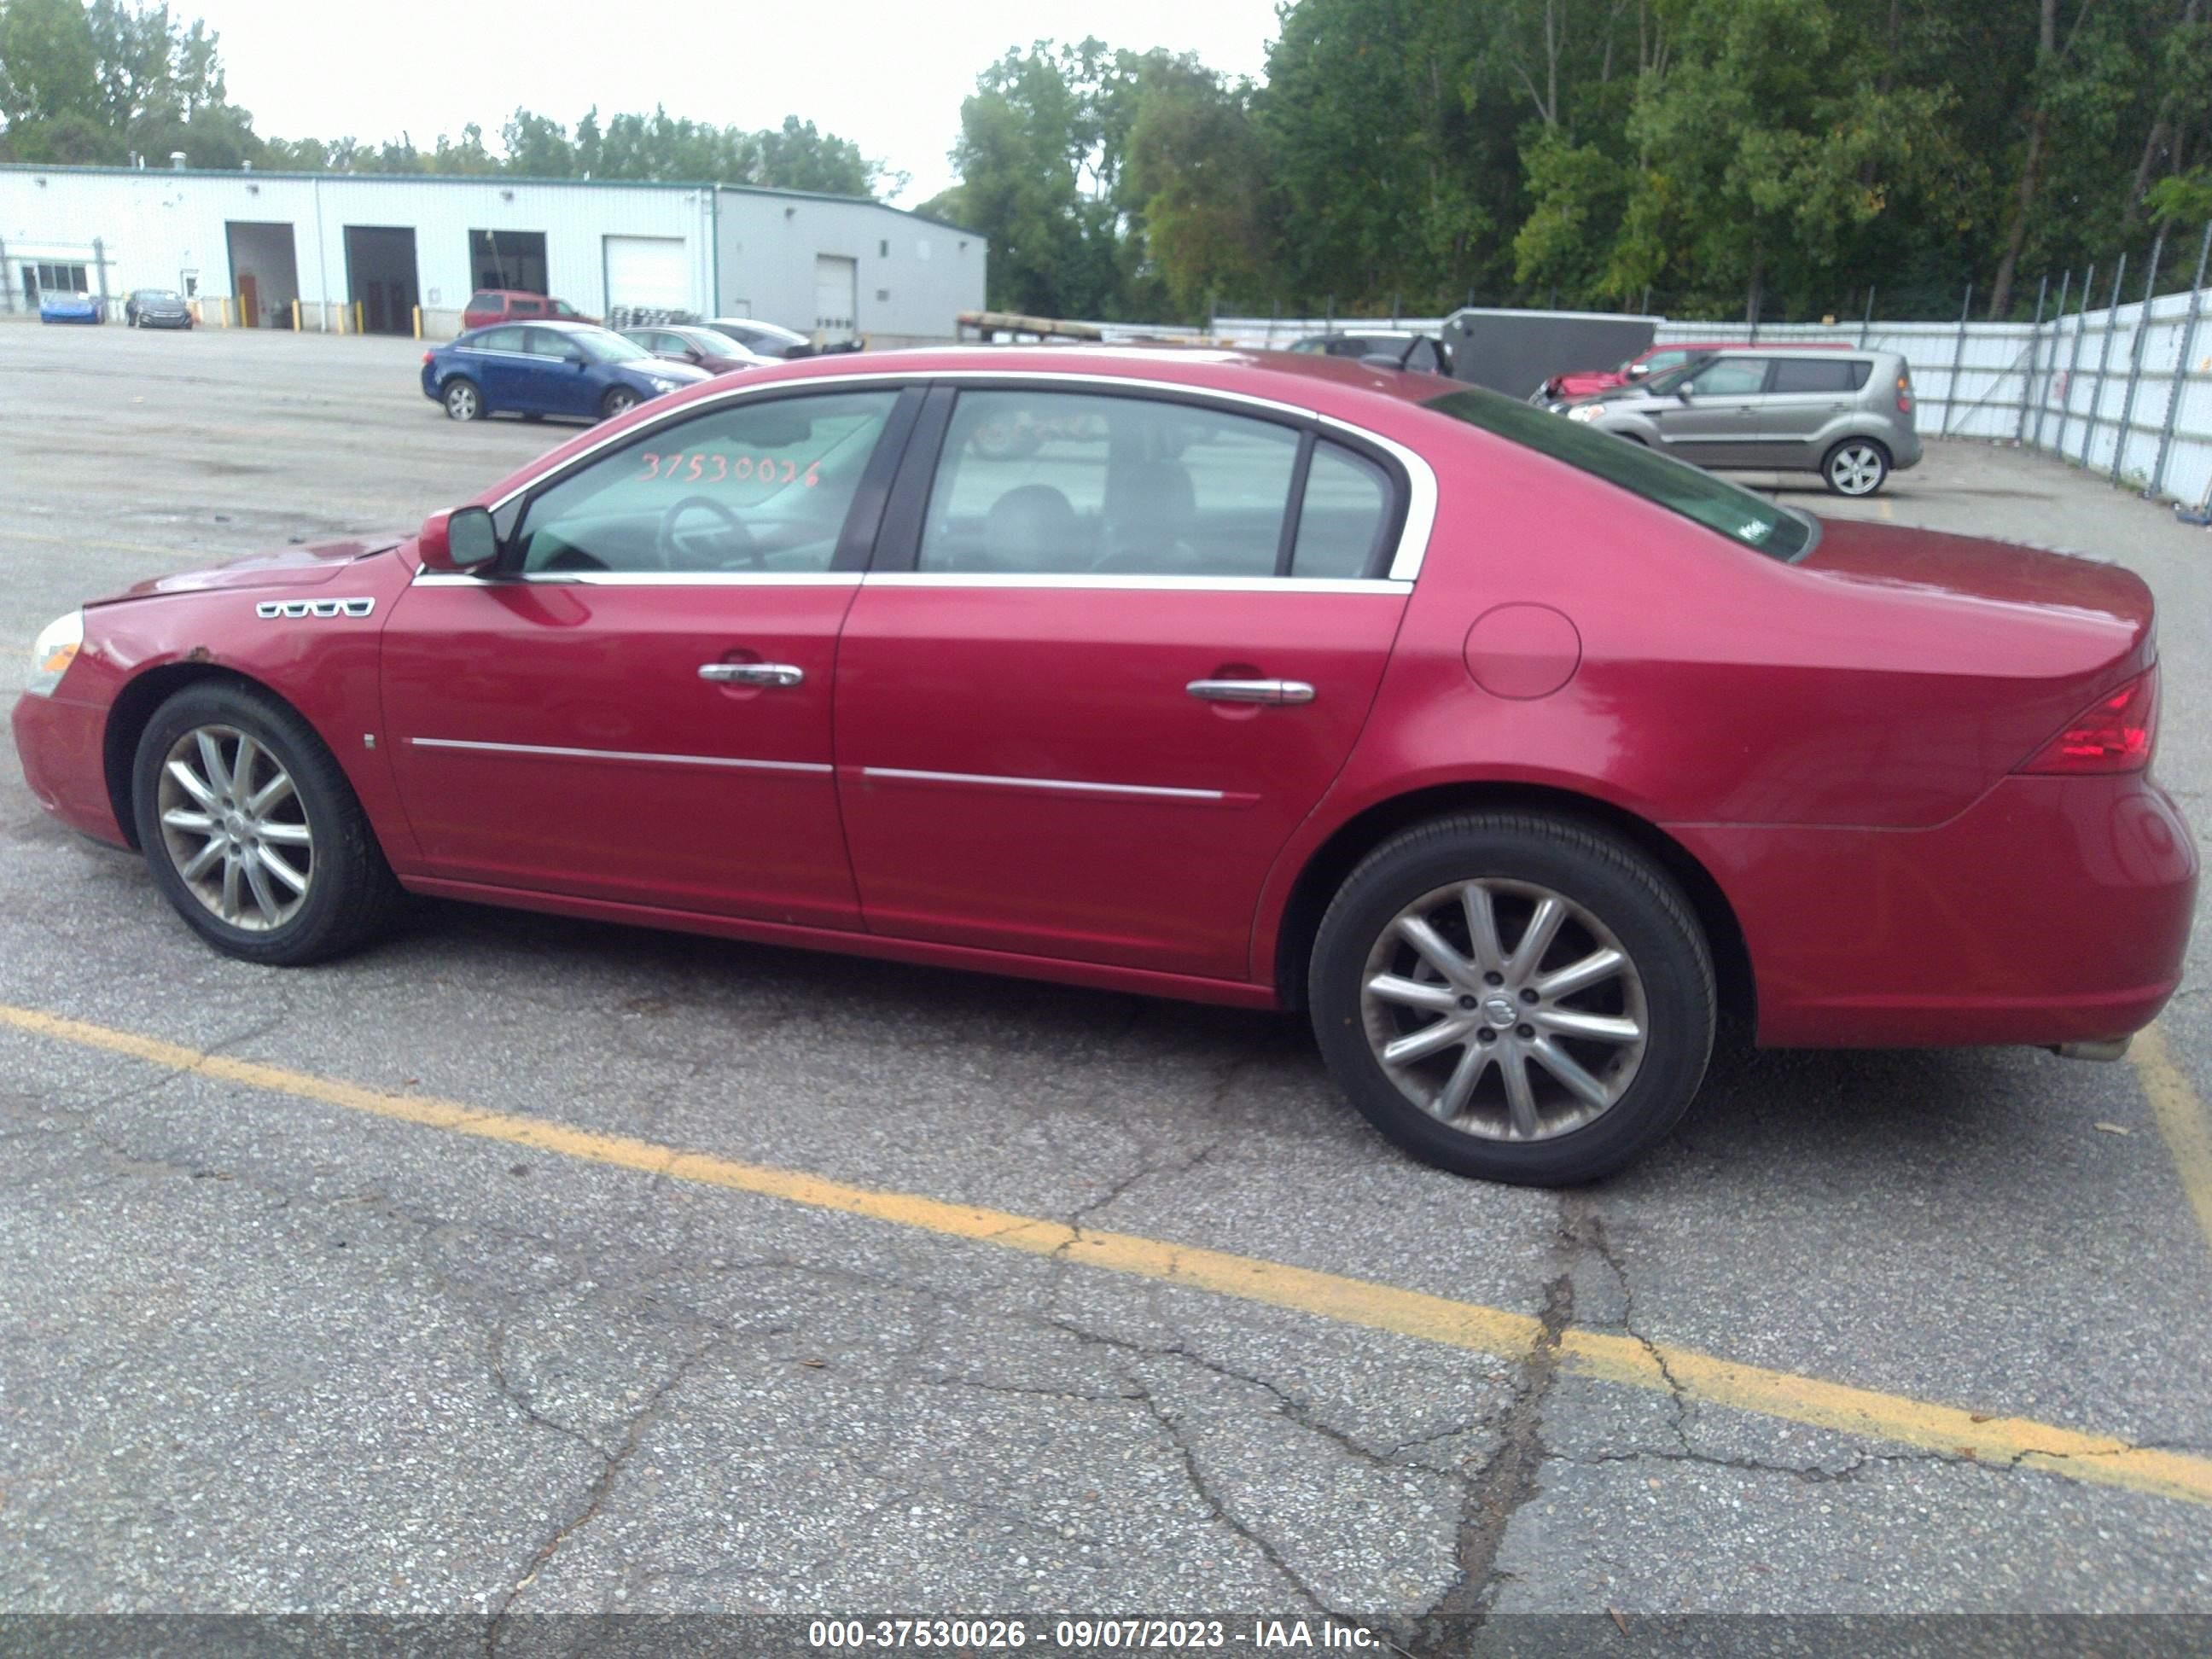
x: 1516, y: 757
x: 701, y: 347
x: 762, y: 340
x: 1392, y: 348
x: 156, y: 308
x: 547, y: 368
x: 488, y: 305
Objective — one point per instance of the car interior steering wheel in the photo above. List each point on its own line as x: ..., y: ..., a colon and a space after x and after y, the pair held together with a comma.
x: 669, y: 546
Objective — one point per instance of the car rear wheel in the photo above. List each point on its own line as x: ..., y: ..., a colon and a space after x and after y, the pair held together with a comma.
x: 1857, y: 466
x: 251, y: 831
x: 462, y: 399
x: 620, y: 400
x: 1518, y: 997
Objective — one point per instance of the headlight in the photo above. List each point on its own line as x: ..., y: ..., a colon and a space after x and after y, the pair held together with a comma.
x: 54, y: 650
x: 1587, y: 412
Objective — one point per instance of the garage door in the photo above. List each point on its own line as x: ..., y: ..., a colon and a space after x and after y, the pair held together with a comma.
x: 648, y: 273
x: 837, y: 293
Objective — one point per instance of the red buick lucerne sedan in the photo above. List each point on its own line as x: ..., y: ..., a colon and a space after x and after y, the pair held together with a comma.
x: 1517, y: 758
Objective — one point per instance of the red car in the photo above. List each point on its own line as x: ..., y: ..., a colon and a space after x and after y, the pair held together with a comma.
x: 1518, y: 758
x: 488, y: 305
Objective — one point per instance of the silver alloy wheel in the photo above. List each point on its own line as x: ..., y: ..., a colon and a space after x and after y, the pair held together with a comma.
x: 620, y: 402
x: 1856, y: 469
x: 461, y: 401
x: 235, y: 829
x: 1520, y: 1042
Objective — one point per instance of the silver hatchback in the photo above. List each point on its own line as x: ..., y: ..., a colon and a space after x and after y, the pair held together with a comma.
x: 1844, y: 415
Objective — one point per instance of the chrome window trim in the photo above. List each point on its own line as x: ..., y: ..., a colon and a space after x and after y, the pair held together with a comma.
x: 1070, y: 786
x: 1420, y: 477
x: 1154, y: 584
x: 646, y: 579
x: 558, y: 753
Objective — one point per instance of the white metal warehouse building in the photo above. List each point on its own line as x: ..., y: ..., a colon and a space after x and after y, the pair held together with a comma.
x: 366, y: 252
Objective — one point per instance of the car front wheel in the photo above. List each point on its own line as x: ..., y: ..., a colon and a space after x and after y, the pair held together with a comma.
x: 251, y: 830
x: 1857, y: 466
x: 618, y: 401
x: 1514, y: 997
x: 463, y: 401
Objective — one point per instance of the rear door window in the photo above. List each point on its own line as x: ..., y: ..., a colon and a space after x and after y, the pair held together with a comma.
x: 499, y: 339
x: 1037, y: 482
x: 518, y: 306
x: 1814, y: 374
x: 1730, y: 377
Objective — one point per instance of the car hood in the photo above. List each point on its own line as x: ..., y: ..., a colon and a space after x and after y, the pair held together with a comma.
x: 1583, y: 382
x: 669, y: 368
x: 308, y: 564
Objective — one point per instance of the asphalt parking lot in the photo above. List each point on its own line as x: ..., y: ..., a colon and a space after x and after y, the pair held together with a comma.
x: 379, y: 1287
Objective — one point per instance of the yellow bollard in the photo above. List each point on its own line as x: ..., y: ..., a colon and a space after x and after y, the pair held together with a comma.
x: 360, y: 319
x: 295, y: 316
x: 418, y: 322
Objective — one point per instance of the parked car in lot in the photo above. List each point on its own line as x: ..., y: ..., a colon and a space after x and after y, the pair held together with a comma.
x: 1517, y: 756
x: 59, y: 305
x: 699, y: 346
x: 1654, y: 359
x: 1422, y: 353
x: 547, y: 368
x: 156, y: 308
x: 488, y: 305
x: 1847, y: 415
x: 762, y: 340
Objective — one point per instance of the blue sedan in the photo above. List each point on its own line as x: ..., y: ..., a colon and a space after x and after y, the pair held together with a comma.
x: 547, y: 368
x: 64, y: 307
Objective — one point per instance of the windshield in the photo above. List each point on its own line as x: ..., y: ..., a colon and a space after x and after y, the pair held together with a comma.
x: 1749, y: 520
x: 157, y: 294
x: 604, y: 346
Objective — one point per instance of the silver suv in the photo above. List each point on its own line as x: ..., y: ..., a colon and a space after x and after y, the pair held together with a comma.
x: 1844, y: 415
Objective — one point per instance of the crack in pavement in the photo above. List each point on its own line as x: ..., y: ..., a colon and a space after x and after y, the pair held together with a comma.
x: 1509, y: 1480
x: 602, y: 1488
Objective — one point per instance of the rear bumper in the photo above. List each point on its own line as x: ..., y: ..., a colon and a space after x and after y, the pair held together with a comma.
x: 60, y: 745
x: 1906, y: 452
x: 2053, y: 910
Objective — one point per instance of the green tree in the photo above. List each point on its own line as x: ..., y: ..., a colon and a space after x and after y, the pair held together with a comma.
x: 1197, y: 177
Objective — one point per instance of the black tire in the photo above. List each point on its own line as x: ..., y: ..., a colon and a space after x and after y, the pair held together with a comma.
x: 1634, y: 900
x: 463, y: 397
x: 1856, y: 467
x: 619, y: 400
x: 351, y: 891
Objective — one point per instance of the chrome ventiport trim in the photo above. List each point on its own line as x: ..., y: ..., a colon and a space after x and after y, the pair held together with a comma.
x: 1068, y: 785
x: 2108, y: 1049
x: 269, y: 609
x: 643, y: 756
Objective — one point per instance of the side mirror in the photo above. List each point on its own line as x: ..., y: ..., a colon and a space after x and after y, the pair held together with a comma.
x: 574, y: 357
x: 1638, y: 371
x: 460, y: 540
x: 1683, y: 392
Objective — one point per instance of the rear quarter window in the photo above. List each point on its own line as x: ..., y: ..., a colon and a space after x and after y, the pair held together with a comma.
x: 1745, y: 517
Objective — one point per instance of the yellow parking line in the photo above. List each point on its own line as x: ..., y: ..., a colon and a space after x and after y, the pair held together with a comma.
x: 1952, y: 1431
x: 2182, y: 1119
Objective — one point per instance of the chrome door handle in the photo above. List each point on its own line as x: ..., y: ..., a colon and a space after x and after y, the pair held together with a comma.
x: 752, y: 673
x: 1274, y: 691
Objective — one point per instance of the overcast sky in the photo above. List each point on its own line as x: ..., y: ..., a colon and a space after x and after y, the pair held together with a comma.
x: 887, y: 75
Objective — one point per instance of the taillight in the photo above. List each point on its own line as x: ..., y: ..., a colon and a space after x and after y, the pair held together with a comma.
x: 1903, y: 395
x: 2114, y: 734
x: 427, y: 357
